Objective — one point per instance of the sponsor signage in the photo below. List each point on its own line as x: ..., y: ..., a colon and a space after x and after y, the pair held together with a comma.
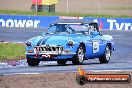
x: 26, y: 21
x: 113, y: 23
x: 44, y: 21
x: 82, y: 78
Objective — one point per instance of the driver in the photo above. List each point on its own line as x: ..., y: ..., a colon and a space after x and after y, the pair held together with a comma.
x: 61, y: 28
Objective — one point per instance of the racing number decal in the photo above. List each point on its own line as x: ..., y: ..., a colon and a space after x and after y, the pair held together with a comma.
x: 95, y: 47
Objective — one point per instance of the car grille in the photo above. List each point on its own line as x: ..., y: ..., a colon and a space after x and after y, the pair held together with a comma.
x: 49, y: 49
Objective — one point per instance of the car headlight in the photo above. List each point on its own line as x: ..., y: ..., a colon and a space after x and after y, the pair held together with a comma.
x: 30, y: 51
x: 28, y: 43
x: 70, y: 43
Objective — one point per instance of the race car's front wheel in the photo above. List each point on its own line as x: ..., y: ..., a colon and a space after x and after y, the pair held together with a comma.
x: 80, y: 55
x: 105, y: 58
x: 61, y: 62
x: 33, y: 62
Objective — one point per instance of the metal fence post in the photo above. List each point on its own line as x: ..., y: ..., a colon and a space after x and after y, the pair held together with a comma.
x: 67, y: 7
x: 99, y: 7
x: 36, y: 9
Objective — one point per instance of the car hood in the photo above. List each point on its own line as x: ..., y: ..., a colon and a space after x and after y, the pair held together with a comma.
x: 58, y: 39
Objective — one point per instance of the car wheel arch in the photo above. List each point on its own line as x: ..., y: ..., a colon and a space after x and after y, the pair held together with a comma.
x: 103, y: 58
x: 81, y: 43
x: 109, y: 45
x: 75, y: 59
x: 83, y: 46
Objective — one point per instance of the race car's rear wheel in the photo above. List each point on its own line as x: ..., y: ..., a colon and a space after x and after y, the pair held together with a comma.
x: 33, y: 62
x: 80, y: 55
x: 105, y: 58
x: 61, y: 62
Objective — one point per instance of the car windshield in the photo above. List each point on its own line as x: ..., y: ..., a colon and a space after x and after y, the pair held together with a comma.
x: 68, y: 28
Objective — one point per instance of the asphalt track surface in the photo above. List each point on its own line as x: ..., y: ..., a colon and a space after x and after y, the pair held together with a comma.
x: 121, y: 58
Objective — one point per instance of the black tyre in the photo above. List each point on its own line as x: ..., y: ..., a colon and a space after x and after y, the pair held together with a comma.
x: 61, y: 62
x: 33, y: 62
x: 105, y: 58
x: 80, y: 55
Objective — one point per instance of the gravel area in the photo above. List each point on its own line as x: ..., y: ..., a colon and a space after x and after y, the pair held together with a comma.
x: 55, y: 80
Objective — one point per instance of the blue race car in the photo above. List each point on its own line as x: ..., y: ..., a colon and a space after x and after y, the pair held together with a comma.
x: 70, y: 40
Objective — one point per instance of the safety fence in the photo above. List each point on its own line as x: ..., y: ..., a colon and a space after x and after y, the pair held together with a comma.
x: 108, y: 7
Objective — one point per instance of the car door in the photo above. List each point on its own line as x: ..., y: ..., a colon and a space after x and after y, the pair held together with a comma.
x: 97, y: 41
x: 96, y: 45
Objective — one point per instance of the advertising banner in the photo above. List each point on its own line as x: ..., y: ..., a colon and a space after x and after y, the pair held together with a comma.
x: 44, y: 21
x: 113, y: 23
x: 26, y: 21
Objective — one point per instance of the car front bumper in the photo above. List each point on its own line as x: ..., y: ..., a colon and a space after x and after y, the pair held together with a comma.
x: 54, y: 58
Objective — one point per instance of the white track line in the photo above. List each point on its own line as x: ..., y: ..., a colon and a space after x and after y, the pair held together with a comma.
x: 109, y: 70
x: 13, y: 42
x: 89, y: 71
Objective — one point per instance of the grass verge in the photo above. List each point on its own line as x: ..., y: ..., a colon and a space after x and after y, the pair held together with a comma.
x: 59, y: 14
x: 11, y: 51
